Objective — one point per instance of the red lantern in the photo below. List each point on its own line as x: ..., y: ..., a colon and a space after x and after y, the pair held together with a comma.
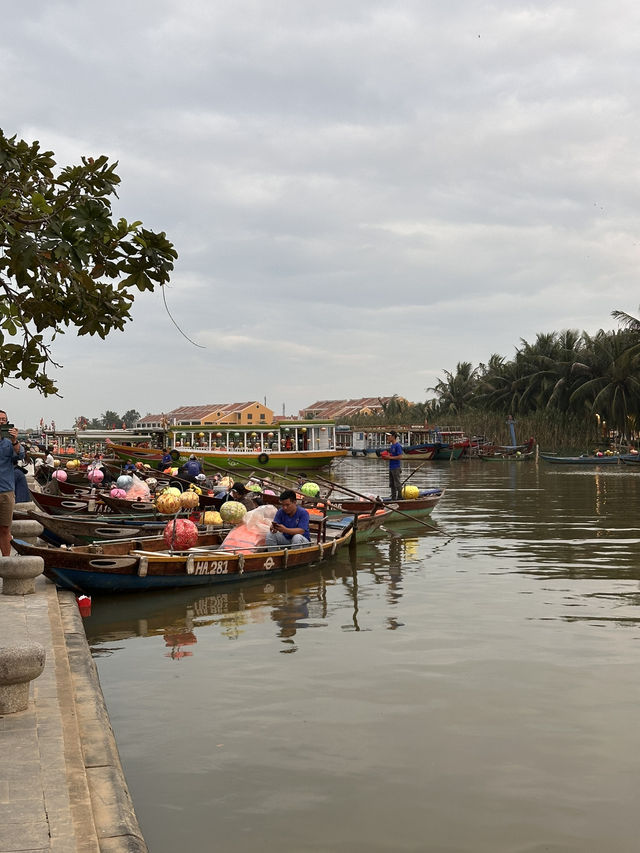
x: 180, y: 534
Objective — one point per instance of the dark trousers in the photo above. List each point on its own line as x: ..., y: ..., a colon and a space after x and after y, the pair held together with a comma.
x: 394, y: 483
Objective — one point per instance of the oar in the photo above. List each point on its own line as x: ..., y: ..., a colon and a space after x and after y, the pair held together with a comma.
x: 356, y: 494
x: 413, y: 472
x: 381, y: 503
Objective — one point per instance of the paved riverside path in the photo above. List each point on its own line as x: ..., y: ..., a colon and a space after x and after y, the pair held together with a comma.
x: 62, y: 787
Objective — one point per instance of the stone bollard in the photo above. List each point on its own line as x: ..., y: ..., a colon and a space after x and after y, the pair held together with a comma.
x: 26, y: 506
x: 19, y: 574
x: 29, y: 530
x: 19, y: 665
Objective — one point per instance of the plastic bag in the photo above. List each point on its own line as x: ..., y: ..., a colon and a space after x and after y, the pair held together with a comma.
x: 251, y: 533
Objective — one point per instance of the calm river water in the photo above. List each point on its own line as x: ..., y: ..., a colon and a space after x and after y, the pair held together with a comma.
x: 471, y: 690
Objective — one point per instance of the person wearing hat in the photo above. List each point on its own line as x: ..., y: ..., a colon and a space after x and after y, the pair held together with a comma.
x: 243, y: 495
x: 394, y: 454
x: 192, y: 468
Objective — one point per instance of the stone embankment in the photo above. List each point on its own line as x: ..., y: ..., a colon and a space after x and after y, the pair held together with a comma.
x: 62, y: 787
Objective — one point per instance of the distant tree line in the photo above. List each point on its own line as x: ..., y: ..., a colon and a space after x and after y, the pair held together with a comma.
x: 109, y: 420
x: 567, y: 388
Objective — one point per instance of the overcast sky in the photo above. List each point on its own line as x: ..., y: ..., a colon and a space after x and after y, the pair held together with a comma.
x: 361, y: 194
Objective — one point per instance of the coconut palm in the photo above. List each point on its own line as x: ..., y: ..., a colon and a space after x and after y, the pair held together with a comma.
x: 455, y: 393
x: 612, y: 386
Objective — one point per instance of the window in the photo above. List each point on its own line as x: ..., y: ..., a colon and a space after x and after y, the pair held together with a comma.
x: 249, y: 417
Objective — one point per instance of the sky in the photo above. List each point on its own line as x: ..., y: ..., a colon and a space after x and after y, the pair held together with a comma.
x: 362, y: 193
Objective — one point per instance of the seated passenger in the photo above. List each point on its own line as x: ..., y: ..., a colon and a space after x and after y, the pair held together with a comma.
x: 291, y: 524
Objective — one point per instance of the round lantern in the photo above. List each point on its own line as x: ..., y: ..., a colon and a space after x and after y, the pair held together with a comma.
x: 212, y: 519
x: 253, y: 487
x: 59, y: 474
x: 310, y: 490
x: 139, y: 466
x: 70, y: 465
x: 189, y: 500
x: 233, y: 512
x: 168, y: 504
x: 172, y: 490
x: 180, y: 534
x: 226, y: 482
x: 95, y: 476
x: 117, y: 493
x: 125, y: 482
x: 218, y: 435
x: 151, y: 482
x: 269, y: 435
x: 410, y: 493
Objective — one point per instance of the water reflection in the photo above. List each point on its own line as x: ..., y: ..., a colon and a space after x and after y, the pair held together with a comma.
x: 472, y: 677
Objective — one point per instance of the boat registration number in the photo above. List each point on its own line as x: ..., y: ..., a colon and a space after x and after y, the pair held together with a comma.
x: 211, y: 567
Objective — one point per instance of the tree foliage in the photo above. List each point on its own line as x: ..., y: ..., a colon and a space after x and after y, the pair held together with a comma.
x: 569, y: 376
x: 64, y: 262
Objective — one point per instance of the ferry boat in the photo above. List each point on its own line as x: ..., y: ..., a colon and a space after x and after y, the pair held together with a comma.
x: 292, y: 444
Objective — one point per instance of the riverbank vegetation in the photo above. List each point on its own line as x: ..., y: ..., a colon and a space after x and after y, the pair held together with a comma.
x: 567, y: 389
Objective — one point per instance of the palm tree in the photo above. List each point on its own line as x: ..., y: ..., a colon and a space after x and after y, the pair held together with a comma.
x: 613, y: 389
x: 456, y: 391
x: 631, y: 324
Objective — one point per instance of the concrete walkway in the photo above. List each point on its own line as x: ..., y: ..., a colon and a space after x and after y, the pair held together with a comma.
x: 62, y: 787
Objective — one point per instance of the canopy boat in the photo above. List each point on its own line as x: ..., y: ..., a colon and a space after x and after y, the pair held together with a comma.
x: 286, y: 444
x: 146, y: 564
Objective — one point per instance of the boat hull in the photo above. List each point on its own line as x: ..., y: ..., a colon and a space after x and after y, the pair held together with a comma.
x: 130, y: 567
x: 212, y: 460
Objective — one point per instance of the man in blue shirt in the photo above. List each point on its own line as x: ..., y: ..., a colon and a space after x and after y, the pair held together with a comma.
x: 10, y: 451
x: 395, y: 468
x: 291, y: 523
x: 166, y: 461
x: 191, y: 469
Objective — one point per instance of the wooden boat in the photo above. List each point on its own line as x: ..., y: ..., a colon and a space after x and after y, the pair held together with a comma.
x: 84, y: 529
x: 417, y: 508
x: 507, y: 457
x: 365, y: 525
x: 69, y: 504
x: 614, y: 459
x: 146, y: 564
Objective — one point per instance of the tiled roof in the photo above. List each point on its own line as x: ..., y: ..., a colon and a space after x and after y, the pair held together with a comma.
x: 344, y: 408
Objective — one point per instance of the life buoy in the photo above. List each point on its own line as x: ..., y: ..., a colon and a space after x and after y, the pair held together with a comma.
x: 263, y: 458
x: 378, y: 452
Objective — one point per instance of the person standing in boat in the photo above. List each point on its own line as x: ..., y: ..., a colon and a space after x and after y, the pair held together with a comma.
x: 10, y: 452
x: 166, y: 461
x: 291, y: 523
x: 394, y: 454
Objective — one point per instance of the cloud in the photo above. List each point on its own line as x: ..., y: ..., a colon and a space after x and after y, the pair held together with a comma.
x: 361, y: 194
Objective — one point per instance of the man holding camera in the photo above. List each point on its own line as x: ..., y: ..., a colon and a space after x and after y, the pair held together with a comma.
x: 10, y: 451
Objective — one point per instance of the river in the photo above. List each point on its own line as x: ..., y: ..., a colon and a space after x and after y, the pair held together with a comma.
x: 468, y: 690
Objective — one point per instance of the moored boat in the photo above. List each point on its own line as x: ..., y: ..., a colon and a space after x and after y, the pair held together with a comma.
x: 146, y: 564
x: 604, y: 459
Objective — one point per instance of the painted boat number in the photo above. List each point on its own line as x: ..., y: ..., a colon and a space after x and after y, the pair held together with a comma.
x: 211, y: 567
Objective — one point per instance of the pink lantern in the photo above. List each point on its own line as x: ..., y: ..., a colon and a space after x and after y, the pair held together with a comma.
x: 60, y: 474
x: 181, y: 534
x: 95, y: 476
x: 117, y: 493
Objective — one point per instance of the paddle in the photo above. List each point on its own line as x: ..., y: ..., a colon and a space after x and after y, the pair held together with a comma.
x: 413, y: 472
x: 356, y: 494
x: 379, y: 502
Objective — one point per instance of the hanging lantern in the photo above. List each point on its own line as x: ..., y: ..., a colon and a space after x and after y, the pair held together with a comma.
x: 218, y: 435
x: 200, y: 435
x: 269, y: 435
x: 237, y: 434
x: 304, y: 429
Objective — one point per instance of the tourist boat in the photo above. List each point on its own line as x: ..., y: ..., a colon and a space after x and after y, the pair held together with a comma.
x: 145, y: 564
x: 288, y: 444
x: 612, y: 459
